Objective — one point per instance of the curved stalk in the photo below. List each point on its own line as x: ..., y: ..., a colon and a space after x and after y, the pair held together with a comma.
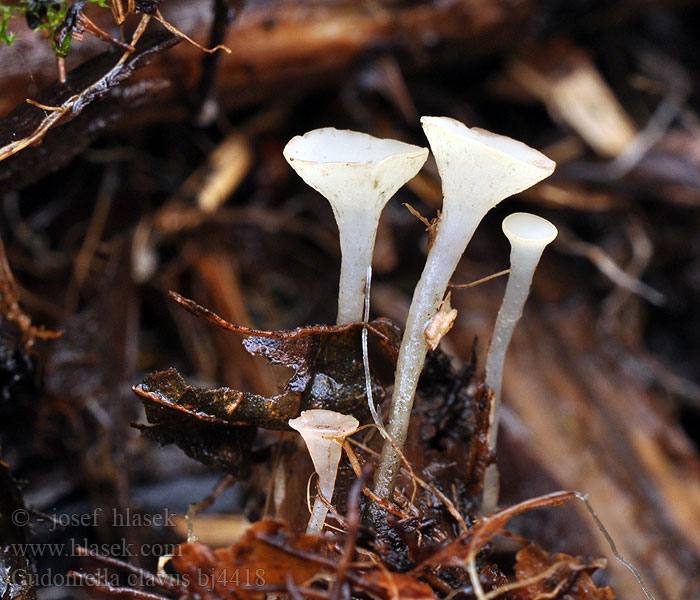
x: 478, y: 169
x: 528, y: 235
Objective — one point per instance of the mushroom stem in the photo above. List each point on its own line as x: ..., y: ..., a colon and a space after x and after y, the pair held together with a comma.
x: 528, y: 235
x: 496, y: 167
x: 326, y: 485
x: 448, y: 247
x: 324, y: 432
x: 357, y: 236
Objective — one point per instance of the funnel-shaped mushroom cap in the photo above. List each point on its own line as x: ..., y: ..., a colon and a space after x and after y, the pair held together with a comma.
x: 477, y: 166
x: 353, y: 170
x: 326, y: 424
x: 527, y: 229
x: 324, y: 432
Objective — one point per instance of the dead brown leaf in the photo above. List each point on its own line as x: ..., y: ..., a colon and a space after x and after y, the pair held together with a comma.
x: 557, y: 576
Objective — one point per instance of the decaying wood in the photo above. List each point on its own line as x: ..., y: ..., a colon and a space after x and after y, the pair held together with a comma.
x: 274, y: 47
x: 564, y: 77
x: 277, y: 43
x: 296, y: 47
x: 73, y: 106
x: 597, y: 429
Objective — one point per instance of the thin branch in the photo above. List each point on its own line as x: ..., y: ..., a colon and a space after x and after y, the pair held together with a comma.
x: 157, y: 580
x: 613, y: 547
x: 77, y: 102
x: 90, y: 580
x: 464, y: 286
x: 352, y: 519
x: 223, y: 484
x: 172, y: 29
x: 608, y: 267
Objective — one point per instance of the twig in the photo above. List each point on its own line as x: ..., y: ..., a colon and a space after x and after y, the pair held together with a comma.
x: 300, y: 590
x: 352, y: 519
x: 608, y: 267
x: 12, y: 311
x: 136, y: 36
x: 613, y: 547
x: 399, y: 452
x: 549, y: 571
x: 292, y: 588
x: 156, y: 580
x: 355, y: 578
x: 75, y: 104
x: 464, y: 286
x: 390, y: 580
x: 487, y: 527
x: 207, y: 107
x: 172, y: 29
x: 474, y: 578
x: 223, y: 484
x: 84, y: 23
x: 48, y: 122
x: 358, y: 469
x: 665, y: 113
x: 424, y: 484
x: 91, y: 581
x: 103, y: 203
x: 42, y: 106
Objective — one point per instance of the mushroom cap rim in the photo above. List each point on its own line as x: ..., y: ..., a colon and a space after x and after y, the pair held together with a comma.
x: 526, y: 228
x: 327, y: 424
x: 506, y: 147
x: 409, y: 150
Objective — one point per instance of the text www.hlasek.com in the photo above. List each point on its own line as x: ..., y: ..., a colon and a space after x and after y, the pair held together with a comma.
x: 74, y: 547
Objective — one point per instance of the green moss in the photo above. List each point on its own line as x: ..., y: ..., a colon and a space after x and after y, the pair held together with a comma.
x: 47, y: 15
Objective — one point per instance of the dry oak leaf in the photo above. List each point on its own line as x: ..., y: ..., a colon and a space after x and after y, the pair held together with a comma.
x: 236, y: 571
x: 268, y: 557
x: 565, y: 577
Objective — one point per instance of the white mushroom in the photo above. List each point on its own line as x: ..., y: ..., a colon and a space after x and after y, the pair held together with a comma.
x: 478, y: 169
x: 358, y: 174
x: 528, y: 235
x: 324, y: 432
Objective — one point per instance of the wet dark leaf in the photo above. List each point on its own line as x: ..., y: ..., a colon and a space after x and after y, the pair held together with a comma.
x: 15, y: 365
x: 219, y: 446
x: 328, y: 373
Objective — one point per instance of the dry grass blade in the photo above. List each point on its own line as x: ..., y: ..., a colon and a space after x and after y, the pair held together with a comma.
x: 11, y: 310
x: 172, y: 29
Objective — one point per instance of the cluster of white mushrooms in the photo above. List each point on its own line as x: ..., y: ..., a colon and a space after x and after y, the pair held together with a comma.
x: 358, y: 174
